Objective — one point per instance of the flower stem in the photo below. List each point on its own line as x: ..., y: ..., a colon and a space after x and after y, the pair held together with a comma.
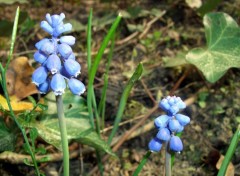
x: 63, y: 131
x: 168, y: 161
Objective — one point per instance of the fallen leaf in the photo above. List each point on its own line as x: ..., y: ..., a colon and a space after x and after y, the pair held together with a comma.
x: 17, y: 106
x: 19, y: 81
x: 194, y: 3
x: 230, y: 168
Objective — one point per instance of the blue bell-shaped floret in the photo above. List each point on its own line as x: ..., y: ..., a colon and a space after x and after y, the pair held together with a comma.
x: 174, y: 125
x: 49, y: 19
x: 161, y: 121
x: 76, y: 86
x: 173, y: 110
x: 176, y: 144
x: 47, y: 48
x: 155, y: 145
x: 58, y: 84
x: 72, y: 67
x: 39, y: 57
x: 46, y: 27
x: 180, y: 129
x: 64, y: 50
x: 39, y: 44
x: 72, y: 56
x: 68, y: 39
x: 180, y: 103
x: 53, y: 63
x: 163, y: 134
x: 44, y: 87
x: 183, y: 120
x: 61, y: 29
x: 39, y: 76
x: 171, y: 101
x: 164, y: 105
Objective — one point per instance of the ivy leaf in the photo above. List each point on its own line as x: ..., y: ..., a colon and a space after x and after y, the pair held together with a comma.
x: 8, y: 137
x: 77, y: 123
x: 223, y: 47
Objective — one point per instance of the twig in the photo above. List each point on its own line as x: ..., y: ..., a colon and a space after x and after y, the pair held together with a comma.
x: 149, y: 24
x: 125, y: 40
x: 179, y: 81
x: 148, y: 92
x: 81, y: 160
x: 123, y: 123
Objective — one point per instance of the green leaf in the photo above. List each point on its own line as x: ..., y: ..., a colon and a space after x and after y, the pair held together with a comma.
x: 27, y: 162
x: 74, y: 106
x: 33, y: 134
x: 7, y: 141
x: 208, y: 6
x: 78, y: 129
x: 133, y: 27
x: 77, y: 25
x: 77, y: 122
x: 223, y: 47
x: 178, y: 60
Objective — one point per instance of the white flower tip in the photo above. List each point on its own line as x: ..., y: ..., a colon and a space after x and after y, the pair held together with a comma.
x: 35, y: 83
x: 59, y: 92
x: 80, y: 93
x: 54, y: 71
x: 78, y: 73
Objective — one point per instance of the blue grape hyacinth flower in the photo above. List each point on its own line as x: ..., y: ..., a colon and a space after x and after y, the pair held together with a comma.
x: 59, y: 68
x: 169, y: 124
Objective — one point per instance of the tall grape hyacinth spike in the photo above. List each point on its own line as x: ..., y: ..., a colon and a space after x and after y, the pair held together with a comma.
x: 58, y: 64
x: 170, y: 124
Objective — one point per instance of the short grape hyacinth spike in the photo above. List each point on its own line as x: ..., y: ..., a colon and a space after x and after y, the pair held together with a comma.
x: 58, y: 64
x: 169, y: 124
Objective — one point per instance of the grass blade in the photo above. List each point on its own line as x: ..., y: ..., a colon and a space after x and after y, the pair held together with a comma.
x: 89, y: 40
x: 102, y: 103
x: 13, y: 39
x: 94, y: 67
x: 136, y: 75
x: 230, y: 152
x: 142, y: 163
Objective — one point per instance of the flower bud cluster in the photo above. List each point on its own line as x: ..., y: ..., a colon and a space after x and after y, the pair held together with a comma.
x: 58, y: 64
x: 169, y: 124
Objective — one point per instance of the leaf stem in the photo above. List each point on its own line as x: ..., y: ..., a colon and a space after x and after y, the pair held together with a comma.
x: 63, y: 131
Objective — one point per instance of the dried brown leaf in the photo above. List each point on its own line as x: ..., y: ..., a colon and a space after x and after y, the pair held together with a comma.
x: 230, y: 169
x: 19, y: 81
